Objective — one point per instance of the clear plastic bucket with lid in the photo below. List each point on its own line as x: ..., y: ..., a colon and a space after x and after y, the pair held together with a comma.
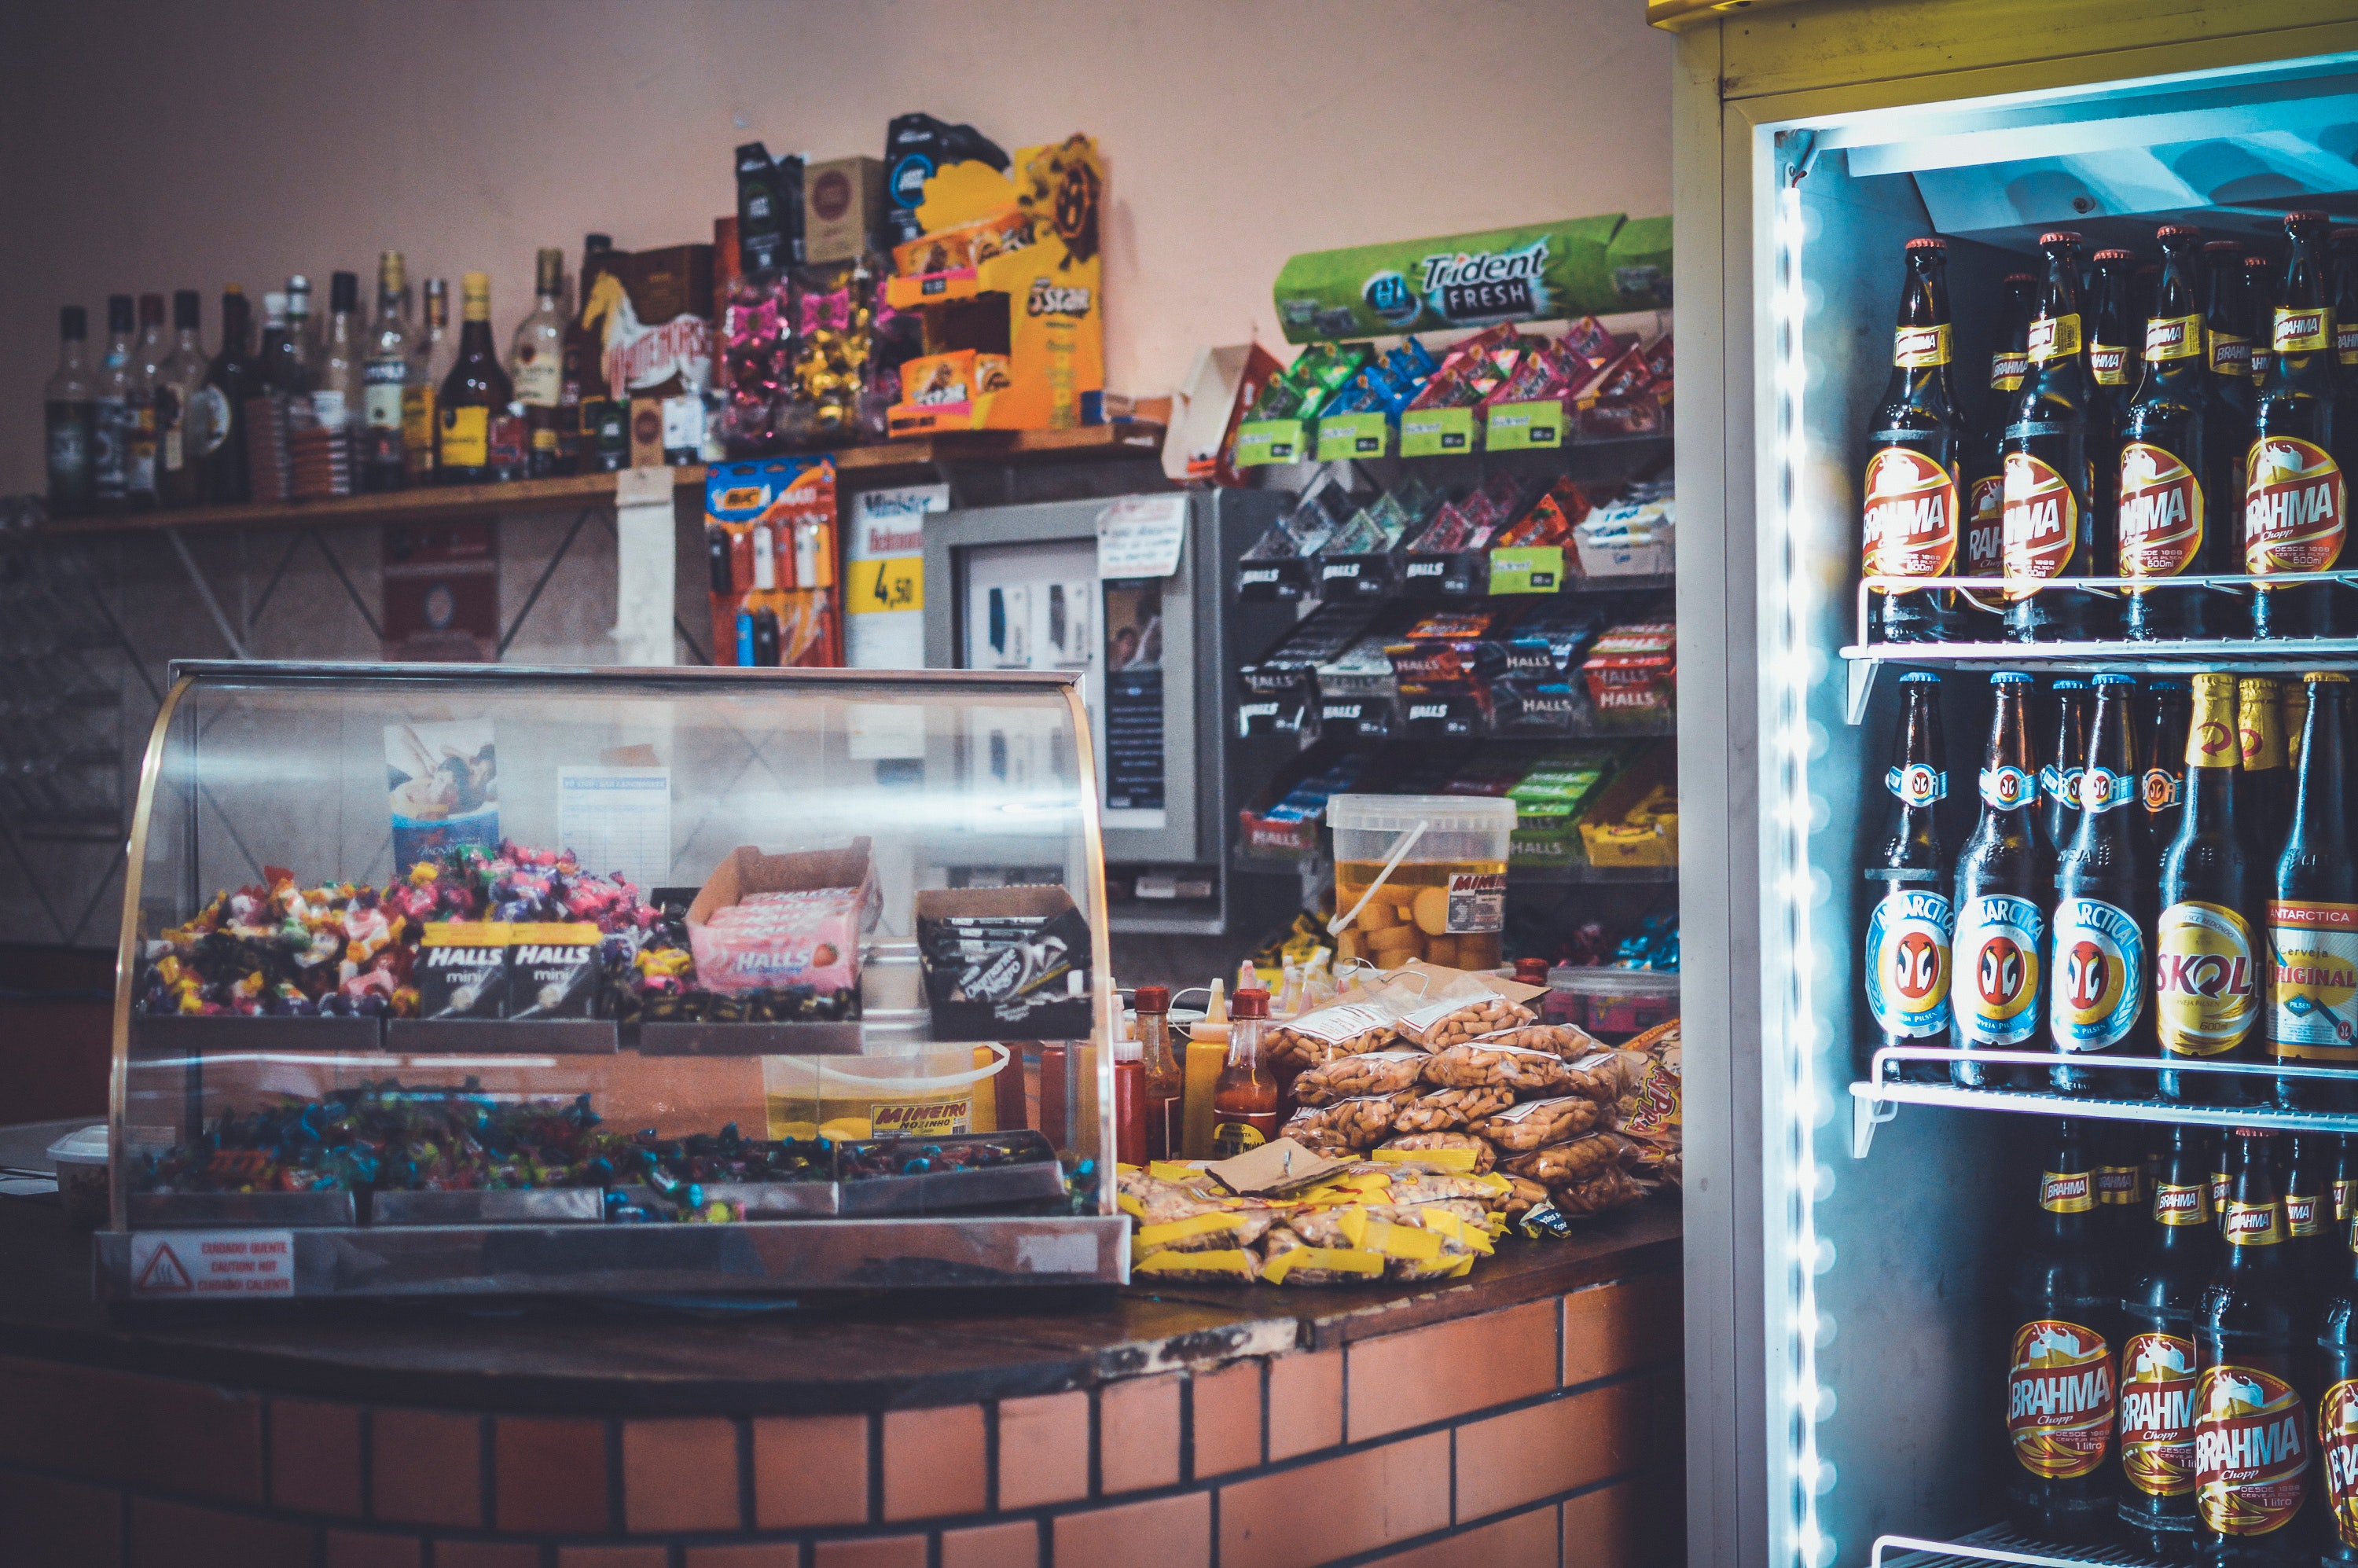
x: 1443, y: 898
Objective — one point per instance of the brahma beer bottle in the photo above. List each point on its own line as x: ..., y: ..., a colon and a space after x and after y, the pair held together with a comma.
x: 2059, y: 780
x: 2097, y: 951
x: 2169, y: 713
x: 2344, y: 246
x: 2294, y: 496
x: 2180, y: 1254
x: 2228, y: 353
x: 2120, y: 1194
x: 2250, y: 1424
x: 2050, y: 511
x: 2267, y: 783
x: 2166, y: 461
x: 2206, y: 967
x: 2260, y: 301
x: 2114, y: 328
x: 2337, y: 1407
x: 2313, y: 914
x: 2311, y: 1243
x: 2005, y: 872
x: 1986, y: 487
x: 2059, y: 1371
x: 1909, y: 926
x: 1915, y: 457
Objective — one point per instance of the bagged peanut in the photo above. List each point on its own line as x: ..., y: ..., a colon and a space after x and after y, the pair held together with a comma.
x: 1535, y: 1124
x: 1450, y: 1110
x: 1480, y: 1156
x: 1348, y: 1077
x: 1477, y: 1064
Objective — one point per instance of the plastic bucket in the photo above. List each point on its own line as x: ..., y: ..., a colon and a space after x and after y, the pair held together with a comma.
x: 927, y: 1095
x: 1445, y: 899
x: 83, y: 1177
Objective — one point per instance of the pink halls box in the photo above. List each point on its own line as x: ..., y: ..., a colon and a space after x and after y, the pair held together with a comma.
x: 767, y: 922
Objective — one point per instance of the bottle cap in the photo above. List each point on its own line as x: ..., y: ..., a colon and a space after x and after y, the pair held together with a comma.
x: 2250, y: 262
x: 592, y: 243
x: 188, y: 308
x: 151, y: 309
x: 2167, y: 685
x: 1920, y: 678
x: 2115, y: 680
x: 1252, y: 1003
x: 1151, y: 999
x: 2254, y: 1132
x: 343, y: 292
x: 1129, y: 1050
x: 2071, y: 685
x: 2011, y: 678
x: 2347, y: 234
x: 121, y: 313
x: 2020, y: 278
x: 1927, y: 242
x: 2217, y: 247
x: 2060, y: 237
x: 2116, y: 256
x: 73, y: 322
x: 2176, y: 231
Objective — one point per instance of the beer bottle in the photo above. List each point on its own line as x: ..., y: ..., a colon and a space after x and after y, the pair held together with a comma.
x: 2344, y: 245
x: 2180, y: 1253
x: 1915, y: 457
x: 2313, y: 914
x: 2260, y: 303
x: 2310, y: 1239
x: 2228, y: 352
x: 1909, y: 926
x: 2223, y: 1178
x: 2059, y: 1372
x: 2268, y: 783
x: 1985, y: 489
x: 2168, y: 714
x: 2102, y: 910
x: 2205, y: 969
x: 2113, y: 327
x: 2345, y: 1181
x: 2120, y: 1194
x: 2144, y: 295
x: 2004, y: 873
x: 2337, y: 1407
x: 2051, y: 511
x: 2164, y: 506
x: 2059, y: 780
x: 2294, y: 493
x: 2251, y: 1427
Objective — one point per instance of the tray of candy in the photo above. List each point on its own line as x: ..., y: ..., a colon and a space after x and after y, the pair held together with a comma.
x: 743, y: 1200
x: 270, y: 1211
x: 926, y: 1175
x: 490, y: 1205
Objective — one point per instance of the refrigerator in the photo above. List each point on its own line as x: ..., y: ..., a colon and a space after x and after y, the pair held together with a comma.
x: 1842, y: 1252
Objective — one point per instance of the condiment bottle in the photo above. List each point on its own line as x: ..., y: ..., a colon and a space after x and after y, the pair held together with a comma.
x: 1165, y: 1098
x: 1055, y: 1102
x: 1128, y: 1103
x: 1244, y: 1102
x: 1207, y: 1053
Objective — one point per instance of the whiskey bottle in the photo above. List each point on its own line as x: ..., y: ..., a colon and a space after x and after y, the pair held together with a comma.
x: 536, y: 364
x: 432, y: 352
x: 183, y: 415
x: 476, y: 393
x: 384, y: 380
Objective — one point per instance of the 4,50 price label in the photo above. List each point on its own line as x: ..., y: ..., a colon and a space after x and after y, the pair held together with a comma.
x: 896, y: 583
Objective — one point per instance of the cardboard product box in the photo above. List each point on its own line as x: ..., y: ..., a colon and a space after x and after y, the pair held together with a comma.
x: 651, y: 314
x: 1059, y: 1009
x: 843, y: 208
x: 1635, y: 821
x: 829, y: 959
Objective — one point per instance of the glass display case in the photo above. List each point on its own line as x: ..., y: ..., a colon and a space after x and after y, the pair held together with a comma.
x: 478, y: 979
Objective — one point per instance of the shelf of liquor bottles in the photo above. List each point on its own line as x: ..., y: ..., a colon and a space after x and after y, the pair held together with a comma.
x: 883, y: 462
x: 2121, y: 1089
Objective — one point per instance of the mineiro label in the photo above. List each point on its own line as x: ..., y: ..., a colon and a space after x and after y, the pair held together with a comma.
x: 2205, y: 996
x: 2293, y: 507
x: 2337, y: 1447
x: 2058, y: 1398
x: 1907, y: 939
x: 2099, y: 988
x: 2042, y: 521
x: 1996, y: 959
x: 2250, y: 1454
x: 1911, y: 516
x: 1986, y: 528
x: 2157, y: 1412
x: 2161, y: 512
x: 2313, y: 952
x: 1921, y: 348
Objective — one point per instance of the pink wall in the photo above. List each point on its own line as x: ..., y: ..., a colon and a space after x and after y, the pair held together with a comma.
x: 146, y: 146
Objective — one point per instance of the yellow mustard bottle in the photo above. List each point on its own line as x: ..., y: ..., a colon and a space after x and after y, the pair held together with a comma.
x: 1207, y: 1053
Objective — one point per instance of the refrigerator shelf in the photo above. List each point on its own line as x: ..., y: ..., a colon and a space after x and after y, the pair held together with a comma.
x: 1998, y: 1543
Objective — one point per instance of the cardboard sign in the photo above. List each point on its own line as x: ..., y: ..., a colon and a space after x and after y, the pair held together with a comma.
x: 1279, y: 1166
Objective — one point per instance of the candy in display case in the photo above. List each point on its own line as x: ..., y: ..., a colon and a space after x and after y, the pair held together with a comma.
x: 448, y: 980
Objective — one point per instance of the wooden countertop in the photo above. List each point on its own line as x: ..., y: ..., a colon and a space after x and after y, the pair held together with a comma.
x: 634, y: 1357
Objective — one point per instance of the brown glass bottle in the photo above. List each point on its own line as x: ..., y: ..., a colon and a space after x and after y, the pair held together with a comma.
x: 2313, y: 914
x: 2295, y: 495
x: 2168, y: 712
x: 2337, y: 1406
x: 2114, y: 331
x: 1916, y: 452
x: 2261, y: 283
x: 2166, y: 1277
x: 1161, y: 1086
x: 2206, y: 966
x: 2006, y: 871
x: 2058, y: 779
x: 476, y: 392
x: 2064, y: 1326
x: 1981, y: 612
x: 2343, y: 243
x: 1910, y: 923
x: 1245, y: 1100
x: 2099, y: 999
x: 2050, y: 501
x: 2166, y: 508
x: 2267, y: 785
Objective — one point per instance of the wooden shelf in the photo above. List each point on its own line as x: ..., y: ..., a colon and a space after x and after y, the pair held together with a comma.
x: 890, y: 460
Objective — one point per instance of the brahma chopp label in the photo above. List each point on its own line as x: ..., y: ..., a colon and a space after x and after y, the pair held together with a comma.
x: 1995, y: 952
x: 2157, y: 1404
x: 2058, y: 1398
x: 2161, y: 512
x: 2301, y: 330
x: 2099, y: 969
x: 2251, y: 1457
x: 1986, y: 527
x: 2173, y: 338
x: 1907, y: 963
x: 2109, y: 363
x: 2054, y: 338
x: 1911, y: 514
x: 1920, y: 348
x: 2231, y: 355
x: 2313, y: 957
x: 2007, y: 787
x: 2189, y: 1203
x: 2337, y: 1449
x: 2067, y: 1192
x: 2206, y: 996
x: 2042, y: 523
x: 2293, y: 507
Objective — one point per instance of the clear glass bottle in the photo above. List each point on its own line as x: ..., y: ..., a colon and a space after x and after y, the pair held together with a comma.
x: 69, y: 416
x: 385, y: 375
x: 110, y: 425
x: 536, y: 364
x: 183, y: 414
x: 337, y: 393
x: 432, y: 351
x: 147, y: 359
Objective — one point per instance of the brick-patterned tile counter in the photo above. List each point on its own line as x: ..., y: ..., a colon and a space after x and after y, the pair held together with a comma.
x: 1529, y: 1414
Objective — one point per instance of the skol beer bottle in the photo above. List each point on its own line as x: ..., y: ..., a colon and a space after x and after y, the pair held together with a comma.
x: 1909, y: 926
x: 2060, y: 1370
x: 2004, y: 873
x: 2169, y: 713
x: 2164, y: 479
x: 2058, y: 779
x: 2206, y: 965
x: 2313, y: 914
x: 1981, y: 619
x: 2337, y: 1407
x: 2268, y: 783
x: 2097, y: 952
x: 2051, y: 511
x: 1915, y: 457
x: 2180, y: 1254
x: 2250, y: 1424
x: 2294, y: 495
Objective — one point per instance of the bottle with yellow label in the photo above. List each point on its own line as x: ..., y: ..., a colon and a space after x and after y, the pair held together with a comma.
x: 2050, y: 525
x: 2313, y: 915
x: 2295, y: 495
x: 2207, y: 975
x: 1207, y: 1056
x: 476, y: 392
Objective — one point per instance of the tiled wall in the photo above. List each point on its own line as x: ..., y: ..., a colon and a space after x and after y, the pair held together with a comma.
x: 1543, y: 1433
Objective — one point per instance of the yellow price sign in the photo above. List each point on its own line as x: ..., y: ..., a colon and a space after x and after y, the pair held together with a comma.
x: 896, y: 583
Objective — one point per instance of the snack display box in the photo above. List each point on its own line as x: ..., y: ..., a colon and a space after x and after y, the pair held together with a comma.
x: 452, y: 979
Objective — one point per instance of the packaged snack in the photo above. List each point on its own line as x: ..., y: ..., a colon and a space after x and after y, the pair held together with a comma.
x: 810, y: 936
x: 1607, y: 1190
x: 1538, y: 1123
x: 1452, y: 1109
x: 1525, y: 1196
x: 1294, y: 1261
x: 1479, y: 1155
x: 1483, y: 1063
x: 1650, y: 1114
x: 1603, y: 1076
x: 1346, y: 1029
x: 1491, y: 1190
x: 1452, y: 1020
x: 554, y: 971
x: 1577, y: 1161
x: 1210, y: 1229
x: 462, y: 970
x: 1370, y: 1072
x: 1232, y: 1266
x: 1567, y: 1041
x: 1362, y: 1123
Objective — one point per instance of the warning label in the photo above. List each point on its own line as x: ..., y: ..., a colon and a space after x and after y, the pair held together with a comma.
x: 187, y: 1264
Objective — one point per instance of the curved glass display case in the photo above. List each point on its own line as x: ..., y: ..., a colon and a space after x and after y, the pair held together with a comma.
x: 478, y: 979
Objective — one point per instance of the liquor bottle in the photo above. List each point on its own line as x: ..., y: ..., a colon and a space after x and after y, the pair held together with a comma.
x: 1916, y: 456
x: 1910, y: 923
x: 1245, y: 1100
x: 2103, y: 908
x: 2050, y: 503
x: 228, y: 384
x: 385, y: 375
x: 69, y: 419
x: 2059, y: 780
x: 2005, y: 872
x: 182, y: 413
x: 2166, y: 529
x: 2337, y: 1407
x: 2268, y: 786
x: 2310, y: 1238
x: 110, y: 419
x: 2313, y: 914
x: 1982, y: 620
x: 2295, y: 495
x: 2162, y: 743
x: 290, y: 371
x: 2343, y: 242
x: 2260, y: 300
x: 536, y: 364
x: 2250, y: 1424
x: 2206, y: 973
x: 475, y: 392
x: 155, y: 346
x: 2165, y: 1283
x: 433, y: 350
x: 1164, y: 1088
x: 338, y: 391
x: 583, y: 398
x: 2059, y: 1373
x: 2114, y: 330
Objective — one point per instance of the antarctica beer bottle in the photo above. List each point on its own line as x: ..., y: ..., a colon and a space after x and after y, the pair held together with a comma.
x: 2097, y: 951
x: 1909, y: 925
x: 2004, y: 873
x: 2313, y: 915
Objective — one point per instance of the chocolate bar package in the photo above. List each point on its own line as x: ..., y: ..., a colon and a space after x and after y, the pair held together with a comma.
x: 1004, y: 962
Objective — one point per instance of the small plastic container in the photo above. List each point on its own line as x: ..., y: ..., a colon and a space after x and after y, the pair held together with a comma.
x: 1445, y: 901
x: 1612, y: 1004
x: 83, y: 1181
x: 844, y: 1098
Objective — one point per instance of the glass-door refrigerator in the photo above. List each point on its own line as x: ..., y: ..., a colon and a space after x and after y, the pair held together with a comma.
x: 1858, y: 1220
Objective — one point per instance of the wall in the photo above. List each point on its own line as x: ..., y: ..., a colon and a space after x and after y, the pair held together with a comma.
x: 151, y: 145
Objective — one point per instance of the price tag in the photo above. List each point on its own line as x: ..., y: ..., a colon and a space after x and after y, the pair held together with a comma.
x: 1519, y: 427
x: 1345, y: 436
x: 1436, y: 432
x: 1272, y: 441
x: 1526, y: 568
x: 872, y: 587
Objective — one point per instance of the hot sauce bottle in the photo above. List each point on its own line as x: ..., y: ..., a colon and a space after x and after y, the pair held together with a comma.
x: 1165, y: 1098
x: 1244, y: 1102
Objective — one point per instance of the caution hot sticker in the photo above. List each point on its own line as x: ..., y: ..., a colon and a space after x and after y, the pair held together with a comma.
x: 189, y: 1264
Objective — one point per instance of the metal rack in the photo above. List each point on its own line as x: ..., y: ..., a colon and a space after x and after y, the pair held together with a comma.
x: 1998, y: 1543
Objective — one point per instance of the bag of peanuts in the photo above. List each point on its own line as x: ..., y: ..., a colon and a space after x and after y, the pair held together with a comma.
x: 1606, y: 1191
x: 1477, y: 1064
x: 1605, y: 1076
x: 1478, y: 1155
x: 1564, y: 1164
x: 1288, y: 1260
x: 1525, y: 1196
x: 1451, y: 1111
x: 1346, y: 1029
x: 1370, y: 1072
x: 1464, y: 1010
x: 1361, y: 1124
x: 1208, y: 1232
x: 1538, y: 1123
x: 1568, y: 1041
x: 1231, y: 1266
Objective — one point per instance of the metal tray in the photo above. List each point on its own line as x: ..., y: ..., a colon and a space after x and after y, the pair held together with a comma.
x: 838, y: 1039
x: 512, y: 1206
x: 262, y: 1211
x: 169, y: 1035
x: 503, y: 1036
x: 772, y: 1200
x: 940, y: 1191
